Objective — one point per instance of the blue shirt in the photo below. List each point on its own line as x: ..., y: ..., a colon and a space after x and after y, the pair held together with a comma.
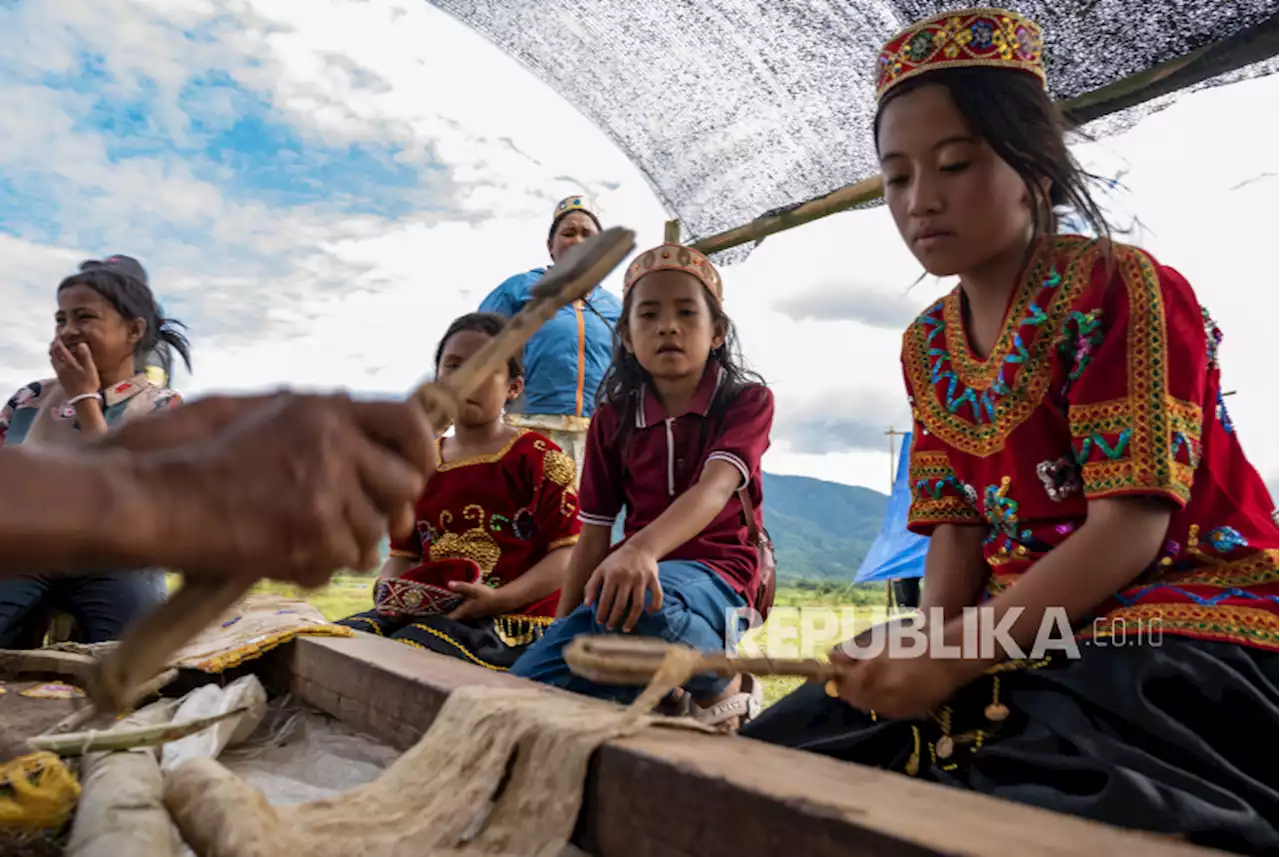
x: 565, y: 361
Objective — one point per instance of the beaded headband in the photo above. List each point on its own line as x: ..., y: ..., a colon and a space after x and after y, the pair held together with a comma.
x: 966, y: 38
x: 572, y: 203
x: 675, y: 257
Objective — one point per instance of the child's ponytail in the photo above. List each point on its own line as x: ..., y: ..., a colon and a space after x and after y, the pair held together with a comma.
x: 169, y: 337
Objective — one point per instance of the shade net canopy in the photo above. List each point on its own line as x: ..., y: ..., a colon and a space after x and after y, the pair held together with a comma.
x: 734, y: 108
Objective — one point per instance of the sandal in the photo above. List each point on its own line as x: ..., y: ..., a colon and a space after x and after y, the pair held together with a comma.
x: 745, y: 706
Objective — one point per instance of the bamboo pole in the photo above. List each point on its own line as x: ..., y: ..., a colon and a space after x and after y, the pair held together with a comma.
x: 1244, y: 48
x: 847, y: 197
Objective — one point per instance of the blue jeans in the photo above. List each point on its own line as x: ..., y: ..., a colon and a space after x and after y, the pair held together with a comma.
x: 102, y: 604
x: 695, y: 604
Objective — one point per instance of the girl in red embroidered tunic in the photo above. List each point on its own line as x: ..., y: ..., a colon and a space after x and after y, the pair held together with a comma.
x: 481, y: 578
x: 1071, y: 452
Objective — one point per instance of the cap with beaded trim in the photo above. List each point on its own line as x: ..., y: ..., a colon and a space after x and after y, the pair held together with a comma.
x: 675, y: 257
x: 965, y: 38
x: 572, y: 203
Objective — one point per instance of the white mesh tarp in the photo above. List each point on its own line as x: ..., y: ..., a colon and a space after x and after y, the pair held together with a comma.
x: 732, y: 108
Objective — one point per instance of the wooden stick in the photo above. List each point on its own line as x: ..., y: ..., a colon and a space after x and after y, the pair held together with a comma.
x: 637, y: 661
x: 843, y: 199
x: 80, y: 717
x: 146, y: 649
x: 120, y: 738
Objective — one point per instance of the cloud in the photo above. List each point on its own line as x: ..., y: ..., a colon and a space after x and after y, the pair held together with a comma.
x: 280, y: 173
x: 840, y: 420
x: 841, y: 301
x: 318, y: 190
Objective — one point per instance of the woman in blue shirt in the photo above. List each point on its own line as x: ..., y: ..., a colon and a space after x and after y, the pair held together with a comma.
x: 566, y: 359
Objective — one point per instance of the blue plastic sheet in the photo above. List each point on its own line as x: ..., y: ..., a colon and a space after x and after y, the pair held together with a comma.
x: 896, y: 554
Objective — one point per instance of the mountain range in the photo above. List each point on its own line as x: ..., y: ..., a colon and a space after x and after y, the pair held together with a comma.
x: 821, y: 531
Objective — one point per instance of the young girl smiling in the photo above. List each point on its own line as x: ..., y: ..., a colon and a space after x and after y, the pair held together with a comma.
x: 106, y: 322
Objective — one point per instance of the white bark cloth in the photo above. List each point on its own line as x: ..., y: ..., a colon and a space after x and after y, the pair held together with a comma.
x: 500, y: 773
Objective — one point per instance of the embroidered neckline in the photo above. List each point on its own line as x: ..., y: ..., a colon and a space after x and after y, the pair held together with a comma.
x: 973, y: 404
x: 477, y: 459
x: 1023, y: 309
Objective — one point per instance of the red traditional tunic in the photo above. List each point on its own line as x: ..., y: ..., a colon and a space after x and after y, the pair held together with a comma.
x: 1104, y: 382
x: 504, y: 512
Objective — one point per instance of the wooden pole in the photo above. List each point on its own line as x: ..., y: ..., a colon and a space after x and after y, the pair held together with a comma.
x: 1245, y: 48
x: 843, y: 199
x: 671, y: 232
x: 893, y: 477
x: 893, y: 471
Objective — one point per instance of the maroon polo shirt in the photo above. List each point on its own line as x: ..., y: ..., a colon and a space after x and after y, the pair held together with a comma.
x: 665, y: 454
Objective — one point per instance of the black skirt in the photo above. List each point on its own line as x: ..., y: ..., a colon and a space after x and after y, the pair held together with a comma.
x: 1178, y: 738
x: 494, y: 643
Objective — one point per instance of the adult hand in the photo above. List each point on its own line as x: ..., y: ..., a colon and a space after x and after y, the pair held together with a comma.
x: 196, y: 421
x: 76, y: 371
x: 288, y: 487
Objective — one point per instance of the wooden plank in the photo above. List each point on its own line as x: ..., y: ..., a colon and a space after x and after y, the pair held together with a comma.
x: 32, y: 662
x: 377, y: 685
x: 670, y: 794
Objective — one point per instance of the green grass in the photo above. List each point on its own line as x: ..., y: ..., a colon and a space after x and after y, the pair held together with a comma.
x: 808, y: 619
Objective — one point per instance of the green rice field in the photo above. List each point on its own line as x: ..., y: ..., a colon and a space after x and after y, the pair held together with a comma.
x: 807, y: 619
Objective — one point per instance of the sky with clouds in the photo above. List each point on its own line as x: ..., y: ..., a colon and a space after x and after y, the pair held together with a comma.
x: 318, y: 187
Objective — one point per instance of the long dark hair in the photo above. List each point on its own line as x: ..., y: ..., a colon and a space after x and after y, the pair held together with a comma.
x: 489, y: 323
x: 132, y: 298
x: 625, y: 377
x: 1016, y: 118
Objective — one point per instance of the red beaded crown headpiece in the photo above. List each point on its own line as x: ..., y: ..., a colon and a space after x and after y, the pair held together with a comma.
x: 675, y: 257
x: 989, y: 38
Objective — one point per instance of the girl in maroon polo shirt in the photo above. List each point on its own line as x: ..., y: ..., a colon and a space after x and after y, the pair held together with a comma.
x: 680, y: 431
